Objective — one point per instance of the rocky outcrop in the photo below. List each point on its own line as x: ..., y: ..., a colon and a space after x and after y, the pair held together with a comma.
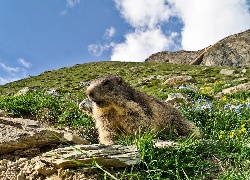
x: 30, y: 151
x: 233, y: 50
x: 17, y: 134
x: 56, y: 164
x: 179, y: 57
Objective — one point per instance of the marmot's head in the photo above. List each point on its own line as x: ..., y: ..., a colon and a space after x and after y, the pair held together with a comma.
x: 106, y: 90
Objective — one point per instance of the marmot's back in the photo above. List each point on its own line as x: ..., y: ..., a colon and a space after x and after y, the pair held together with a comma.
x: 120, y: 109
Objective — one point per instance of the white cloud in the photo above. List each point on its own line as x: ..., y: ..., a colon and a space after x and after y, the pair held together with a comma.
x: 7, y: 80
x: 146, y: 17
x: 14, y: 73
x: 24, y: 63
x: 64, y: 12
x: 207, y: 21
x: 144, y: 13
x: 109, y: 33
x: 204, y: 23
x: 141, y: 44
x: 72, y: 3
x: 9, y: 69
x: 97, y: 49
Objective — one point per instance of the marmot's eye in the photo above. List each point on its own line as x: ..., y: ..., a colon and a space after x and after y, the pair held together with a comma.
x: 106, y: 82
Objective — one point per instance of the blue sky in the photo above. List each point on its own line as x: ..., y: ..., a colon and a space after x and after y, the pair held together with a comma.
x: 40, y: 35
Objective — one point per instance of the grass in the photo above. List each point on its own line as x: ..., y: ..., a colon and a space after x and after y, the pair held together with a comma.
x: 222, y: 153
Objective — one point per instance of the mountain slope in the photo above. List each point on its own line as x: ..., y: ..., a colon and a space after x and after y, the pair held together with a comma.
x: 233, y: 50
x: 142, y: 75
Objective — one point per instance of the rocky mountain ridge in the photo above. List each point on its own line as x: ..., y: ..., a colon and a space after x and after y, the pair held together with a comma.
x: 233, y: 50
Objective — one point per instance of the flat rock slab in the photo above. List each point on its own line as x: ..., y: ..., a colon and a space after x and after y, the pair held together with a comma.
x: 81, y: 155
x: 180, y: 79
x: 18, y: 133
x: 238, y: 88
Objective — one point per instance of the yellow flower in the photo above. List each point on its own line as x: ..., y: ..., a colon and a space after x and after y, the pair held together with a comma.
x: 217, y: 82
x: 220, y: 137
x: 231, y: 134
x: 221, y: 133
x: 224, y: 98
x: 206, y: 90
x: 243, y: 129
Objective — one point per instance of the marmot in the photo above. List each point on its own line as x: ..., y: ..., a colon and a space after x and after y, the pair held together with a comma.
x: 119, y: 109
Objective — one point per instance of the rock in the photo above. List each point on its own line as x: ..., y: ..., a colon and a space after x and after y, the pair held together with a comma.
x: 48, y: 71
x: 52, y: 92
x: 238, y: 88
x: 219, y: 95
x: 84, y: 83
x: 229, y: 51
x: 176, y: 98
x: 81, y: 155
x: 23, y: 91
x: 178, y: 57
x: 180, y: 79
x: 243, y: 71
x: 74, y: 138
x: 164, y: 144
x: 2, y: 113
x: 227, y: 72
x: 18, y: 133
x: 44, y: 169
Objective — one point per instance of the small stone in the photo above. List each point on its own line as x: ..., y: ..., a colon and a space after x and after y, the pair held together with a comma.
x: 227, y: 72
x: 52, y: 92
x: 43, y: 169
x: 176, y: 98
x: 75, y: 139
x: 2, y: 168
x: 244, y: 71
x: 219, y: 95
x: 180, y: 79
x: 163, y: 144
x: 2, y: 113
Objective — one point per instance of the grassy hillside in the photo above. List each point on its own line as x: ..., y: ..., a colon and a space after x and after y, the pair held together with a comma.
x: 68, y: 79
x: 222, y: 153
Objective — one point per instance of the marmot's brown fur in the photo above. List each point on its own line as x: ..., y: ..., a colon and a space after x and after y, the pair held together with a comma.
x: 119, y: 109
